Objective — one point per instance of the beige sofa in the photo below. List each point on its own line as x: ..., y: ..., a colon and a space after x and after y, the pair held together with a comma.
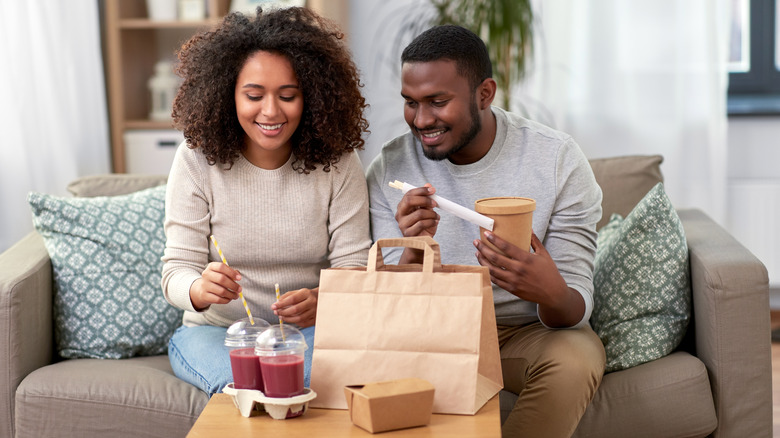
x: 718, y: 383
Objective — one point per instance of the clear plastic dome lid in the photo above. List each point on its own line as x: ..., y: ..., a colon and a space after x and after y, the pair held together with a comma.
x: 243, y: 333
x: 279, y: 340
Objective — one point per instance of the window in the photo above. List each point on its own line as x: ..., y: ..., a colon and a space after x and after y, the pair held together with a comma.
x: 754, y: 60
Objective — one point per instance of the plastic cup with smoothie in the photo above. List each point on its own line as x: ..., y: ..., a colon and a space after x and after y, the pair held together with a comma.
x: 280, y: 351
x: 513, y: 219
x: 240, y: 340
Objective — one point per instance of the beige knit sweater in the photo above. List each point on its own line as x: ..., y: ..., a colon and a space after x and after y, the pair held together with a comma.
x: 274, y: 226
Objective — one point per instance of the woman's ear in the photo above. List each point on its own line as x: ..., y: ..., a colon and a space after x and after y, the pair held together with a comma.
x: 486, y: 92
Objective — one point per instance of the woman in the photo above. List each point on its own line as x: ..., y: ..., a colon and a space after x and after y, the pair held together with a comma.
x: 272, y: 114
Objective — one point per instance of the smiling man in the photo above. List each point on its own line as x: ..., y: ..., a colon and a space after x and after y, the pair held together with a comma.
x: 462, y: 148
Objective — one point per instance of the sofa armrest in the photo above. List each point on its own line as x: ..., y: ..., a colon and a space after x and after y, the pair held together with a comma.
x: 26, y: 334
x: 732, y: 326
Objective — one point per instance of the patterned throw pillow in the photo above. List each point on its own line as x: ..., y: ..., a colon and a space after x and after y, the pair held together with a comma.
x: 105, y: 254
x: 642, y: 293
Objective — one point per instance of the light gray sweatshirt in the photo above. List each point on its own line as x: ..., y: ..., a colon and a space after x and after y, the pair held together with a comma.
x: 526, y: 159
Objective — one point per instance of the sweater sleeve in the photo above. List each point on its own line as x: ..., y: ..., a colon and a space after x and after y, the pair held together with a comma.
x: 348, y: 214
x: 186, y: 225
x: 571, y: 234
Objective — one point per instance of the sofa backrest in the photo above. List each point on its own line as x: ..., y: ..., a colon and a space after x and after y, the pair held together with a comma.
x: 624, y: 181
x: 113, y: 184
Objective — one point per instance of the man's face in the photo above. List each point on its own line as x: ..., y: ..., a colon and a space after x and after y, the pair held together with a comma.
x: 440, y: 108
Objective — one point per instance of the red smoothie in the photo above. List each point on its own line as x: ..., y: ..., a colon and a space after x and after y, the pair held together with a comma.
x: 247, y: 373
x: 282, y: 375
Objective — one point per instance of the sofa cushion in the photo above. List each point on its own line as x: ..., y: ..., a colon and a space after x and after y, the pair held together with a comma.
x: 137, y: 397
x: 624, y: 181
x: 670, y: 396
x: 642, y: 294
x: 106, y: 259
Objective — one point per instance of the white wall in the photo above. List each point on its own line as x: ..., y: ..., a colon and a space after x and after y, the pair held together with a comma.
x: 754, y: 188
x: 373, y: 27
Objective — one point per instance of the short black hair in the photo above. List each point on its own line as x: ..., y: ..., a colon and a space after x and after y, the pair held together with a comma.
x: 454, y: 43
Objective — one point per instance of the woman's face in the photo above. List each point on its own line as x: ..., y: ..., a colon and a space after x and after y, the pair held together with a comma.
x: 269, y: 105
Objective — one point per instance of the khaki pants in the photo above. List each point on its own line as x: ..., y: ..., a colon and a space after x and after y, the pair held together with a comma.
x: 556, y: 374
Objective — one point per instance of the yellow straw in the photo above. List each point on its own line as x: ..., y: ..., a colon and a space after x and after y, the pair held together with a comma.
x: 246, y: 306
x: 281, y: 325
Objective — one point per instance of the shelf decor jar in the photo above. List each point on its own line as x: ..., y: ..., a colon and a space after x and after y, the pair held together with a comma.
x: 161, y: 10
x: 163, y: 86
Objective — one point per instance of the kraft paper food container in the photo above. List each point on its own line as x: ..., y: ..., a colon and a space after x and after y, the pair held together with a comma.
x: 389, y: 405
x: 513, y: 219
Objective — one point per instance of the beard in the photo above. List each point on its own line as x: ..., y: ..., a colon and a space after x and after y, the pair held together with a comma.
x: 463, y: 141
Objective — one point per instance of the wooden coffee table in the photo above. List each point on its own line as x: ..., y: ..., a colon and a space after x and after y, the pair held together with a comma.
x: 221, y: 418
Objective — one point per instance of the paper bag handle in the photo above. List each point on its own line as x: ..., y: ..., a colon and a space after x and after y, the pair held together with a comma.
x: 430, y: 248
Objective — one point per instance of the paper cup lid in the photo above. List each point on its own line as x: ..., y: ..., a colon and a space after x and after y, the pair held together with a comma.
x: 505, y: 205
x: 243, y: 333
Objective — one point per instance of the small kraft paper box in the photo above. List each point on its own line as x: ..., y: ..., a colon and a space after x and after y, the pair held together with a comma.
x: 389, y: 405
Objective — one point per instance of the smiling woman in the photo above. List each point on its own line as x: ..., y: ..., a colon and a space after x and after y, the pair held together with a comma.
x: 272, y: 113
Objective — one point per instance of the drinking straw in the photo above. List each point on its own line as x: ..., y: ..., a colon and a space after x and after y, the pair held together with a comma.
x: 281, y: 326
x: 246, y: 306
x: 451, y: 207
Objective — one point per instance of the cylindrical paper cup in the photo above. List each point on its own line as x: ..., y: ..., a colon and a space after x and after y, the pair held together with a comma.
x: 513, y: 218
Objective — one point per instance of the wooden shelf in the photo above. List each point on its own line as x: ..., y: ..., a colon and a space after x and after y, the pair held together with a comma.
x: 133, y: 45
x: 142, y: 23
x: 148, y: 124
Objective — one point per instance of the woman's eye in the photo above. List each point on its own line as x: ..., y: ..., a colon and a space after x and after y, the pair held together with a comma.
x: 287, y: 98
x: 253, y: 98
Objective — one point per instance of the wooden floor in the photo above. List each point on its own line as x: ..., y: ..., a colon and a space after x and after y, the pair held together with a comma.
x: 776, y: 376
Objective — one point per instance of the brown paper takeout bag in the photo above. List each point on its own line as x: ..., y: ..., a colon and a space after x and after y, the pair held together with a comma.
x: 431, y: 321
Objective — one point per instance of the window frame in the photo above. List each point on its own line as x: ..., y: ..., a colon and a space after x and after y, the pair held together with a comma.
x: 757, y: 91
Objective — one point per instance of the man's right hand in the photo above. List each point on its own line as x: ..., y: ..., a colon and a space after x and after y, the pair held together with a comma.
x: 217, y: 285
x: 415, y: 217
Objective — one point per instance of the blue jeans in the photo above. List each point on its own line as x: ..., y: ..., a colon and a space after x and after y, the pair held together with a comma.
x: 198, y: 356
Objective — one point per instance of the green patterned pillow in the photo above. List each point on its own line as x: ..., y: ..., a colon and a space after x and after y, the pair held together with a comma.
x: 106, y: 257
x: 642, y: 293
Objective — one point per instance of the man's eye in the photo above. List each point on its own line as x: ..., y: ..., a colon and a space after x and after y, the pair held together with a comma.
x: 411, y: 103
x: 439, y: 102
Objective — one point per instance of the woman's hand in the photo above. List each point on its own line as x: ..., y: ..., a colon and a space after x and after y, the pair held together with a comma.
x: 218, y: 284
x: 298, y: 307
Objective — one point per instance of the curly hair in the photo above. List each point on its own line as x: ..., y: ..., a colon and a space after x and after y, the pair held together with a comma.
x: 332, y: 122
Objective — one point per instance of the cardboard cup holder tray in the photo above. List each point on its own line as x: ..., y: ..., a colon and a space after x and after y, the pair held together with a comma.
x: 246, y: 400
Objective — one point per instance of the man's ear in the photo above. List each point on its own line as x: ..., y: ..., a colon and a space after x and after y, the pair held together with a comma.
x: 486, y: 92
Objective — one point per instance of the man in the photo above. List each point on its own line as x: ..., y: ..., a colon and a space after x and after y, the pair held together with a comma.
x: 463, y: 149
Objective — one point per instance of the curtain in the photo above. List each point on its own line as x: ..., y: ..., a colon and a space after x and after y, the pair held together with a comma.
x: 53, y: 117
x: 643, y: 77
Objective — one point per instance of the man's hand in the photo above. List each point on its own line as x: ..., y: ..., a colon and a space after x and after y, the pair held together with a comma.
x: 218, y: 284
x: 298, y: 306
x: 415, y: 217
x: 532, y: 276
